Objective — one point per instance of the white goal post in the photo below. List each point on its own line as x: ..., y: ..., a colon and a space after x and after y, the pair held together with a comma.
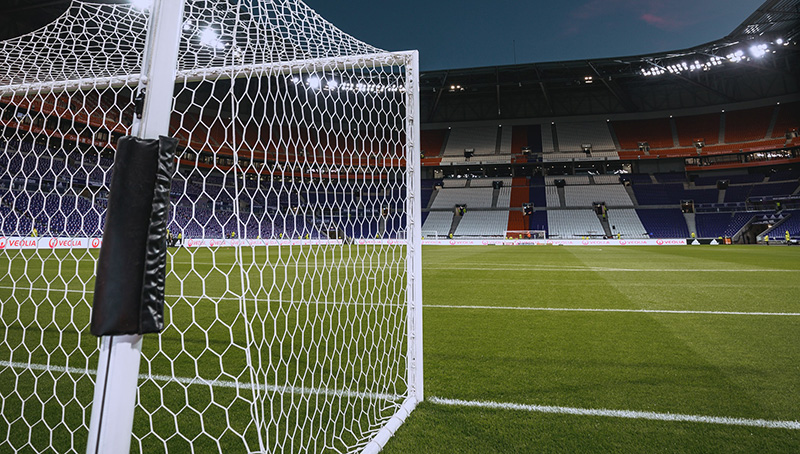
x: 281, y: 334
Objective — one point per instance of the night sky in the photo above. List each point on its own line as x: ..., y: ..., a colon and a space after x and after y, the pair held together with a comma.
x: 470, y: 33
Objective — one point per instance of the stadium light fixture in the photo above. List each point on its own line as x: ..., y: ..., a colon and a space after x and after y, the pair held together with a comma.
x: 314, y: 82
x: 210, y: 38
x: 758, y: 50
x: 332, y: 84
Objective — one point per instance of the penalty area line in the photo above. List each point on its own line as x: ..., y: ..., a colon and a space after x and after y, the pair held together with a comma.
x: 627, y: 414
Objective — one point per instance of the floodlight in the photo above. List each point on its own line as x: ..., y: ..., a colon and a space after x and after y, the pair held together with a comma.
x: 779, y: 41
x: 758, y: 51
x: 332, y: 84
x: 314, y: 82
x: 210, y: 38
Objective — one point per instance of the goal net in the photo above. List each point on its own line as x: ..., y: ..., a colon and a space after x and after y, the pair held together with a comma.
x: 282, y: 333
x: 526, y: 234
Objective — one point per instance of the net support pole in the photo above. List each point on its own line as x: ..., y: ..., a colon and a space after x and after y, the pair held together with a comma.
x: 111, y: 424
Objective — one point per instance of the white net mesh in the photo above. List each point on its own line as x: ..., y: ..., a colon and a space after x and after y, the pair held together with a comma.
x: 288, y: 310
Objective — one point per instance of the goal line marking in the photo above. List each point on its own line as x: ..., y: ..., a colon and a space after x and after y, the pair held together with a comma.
x: 212, y: 383
x: 643, y: 311
x: 443, y: 306
x: 627, y: 414
x: 605, y: 269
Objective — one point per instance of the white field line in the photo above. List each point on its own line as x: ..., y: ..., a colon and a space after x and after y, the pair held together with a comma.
x: 763, y: 423
x: 771, y: 424
x: 446, y: 306
x: 645, y: 311
x: 205, y: 382
x: 604, y: 269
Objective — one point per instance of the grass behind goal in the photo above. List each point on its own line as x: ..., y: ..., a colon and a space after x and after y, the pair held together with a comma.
x: 694, y: 360
x: 709, y: 364
x: 313, y: 332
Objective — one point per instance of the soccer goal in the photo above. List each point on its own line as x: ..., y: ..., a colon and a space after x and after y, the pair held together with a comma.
x: 280, y: 334
x: 526, y: 234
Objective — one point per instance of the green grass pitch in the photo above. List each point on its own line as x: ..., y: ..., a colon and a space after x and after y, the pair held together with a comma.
x: 672, y: 330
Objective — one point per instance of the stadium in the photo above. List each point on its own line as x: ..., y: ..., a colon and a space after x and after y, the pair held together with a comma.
x: 346, y: 253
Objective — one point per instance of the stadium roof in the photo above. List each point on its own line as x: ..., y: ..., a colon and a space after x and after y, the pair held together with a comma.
x: 757, y: 61
x: 774, y: 17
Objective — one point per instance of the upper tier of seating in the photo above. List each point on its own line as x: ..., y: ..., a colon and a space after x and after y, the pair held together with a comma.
x: 481, y: 139
x: 729, y: 131
x: 572, y: 136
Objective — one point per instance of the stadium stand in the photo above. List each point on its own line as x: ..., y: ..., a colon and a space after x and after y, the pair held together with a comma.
x: 573, y: 223
x: 506, y: 140
x: 664, y: 223
x: 503, y: 198
x: 732, y: 179
x: 788, y: 119
x: 626, y: 223
x: 526, y: 136
x: 572, y: 136
x: 538, y: 196
x: 792, y: 224
x: 712, y: 225
x: 482, y: 139
x: 568, y: 179
x: 439, y: 222
x: 747, y: 125
x: 517, y: 221
x: 785, y: 175
x: 659, y: 194
x: 487, y: 182
x: 520, y: 193
x: 432, y: 143
x: 472, y: 197
x: 538, y: 221
x: 585, y: 195
x: 548, y: 145
x: 695, y: 127
x: 773, y: 189
x: 483, y: 224
x: 656, y: 132
x: 606, y: 179
x: 551, y: 193
x: 454, y: 182
x: 738, y: 193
